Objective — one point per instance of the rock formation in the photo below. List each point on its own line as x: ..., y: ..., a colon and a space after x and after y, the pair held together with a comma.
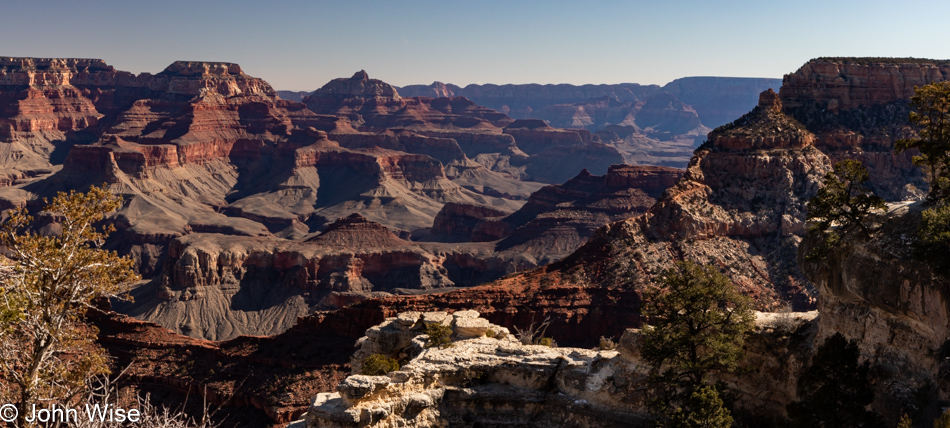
x: 271, y: 282
x: 558, y: 219
x: 717, y: 100
x: 486, y: 378
x: 246, y: 185
x: 857, y: 108
x: 260, y: 286
x: 648, y: 125
x: 250, y: 381
x: 372, y: 105
x: 876, y: 291
x: 740, y: 206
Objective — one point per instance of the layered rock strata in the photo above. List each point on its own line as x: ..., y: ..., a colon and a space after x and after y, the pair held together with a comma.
x: 717, y: 100
x: 656, y: 127
x: 858, y: 107
x: 498, y: 380
x: 739, y: 206
x: 260, y: 286
x: 372, y: 105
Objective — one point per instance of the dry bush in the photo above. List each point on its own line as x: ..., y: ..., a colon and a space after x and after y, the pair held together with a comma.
x: 607, y: 344
x: 534, y: 333
x: 103, y: 391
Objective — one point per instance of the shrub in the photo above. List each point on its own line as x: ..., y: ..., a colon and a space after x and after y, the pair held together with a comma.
x: 703, y: 409
x: 439, y: 335
x: 379, y: 365
x: 943, y: 421
x: 905, y: 422
x: 835, y: 389
x: 547, y: 341
x: 490, y: 333
x: 607, y: 344
x: 931, y: 114
x: 534, y: 333
x: 933, y: 237
x: 699, y: 322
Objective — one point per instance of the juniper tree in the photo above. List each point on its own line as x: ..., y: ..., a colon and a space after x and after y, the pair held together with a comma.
x: 47, y: 352
x: 835, y: 388
x: 698, y: 321
x: 843, y: 201
x: 931, y: 114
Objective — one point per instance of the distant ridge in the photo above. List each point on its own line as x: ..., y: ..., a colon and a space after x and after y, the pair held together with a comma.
x: 882, y: 60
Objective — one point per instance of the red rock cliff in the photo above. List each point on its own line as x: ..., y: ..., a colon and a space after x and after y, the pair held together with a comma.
x: 858, y: 108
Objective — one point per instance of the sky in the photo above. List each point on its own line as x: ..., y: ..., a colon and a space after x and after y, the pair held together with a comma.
x: 301, y: 45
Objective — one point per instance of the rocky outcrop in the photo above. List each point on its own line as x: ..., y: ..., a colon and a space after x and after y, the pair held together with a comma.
x: 556, y: 153
x: 496, y: 379
x: 765, y: 127
x: 558, y: 219
x: 458, y: 222
x: 533, y: 154
x: 260, y: 286
x: 742, y: 210
x: 876, y: 291
x: 258, y: 380
x: 247, y: 184
x: 734, y: 197
x: 858, y: 107
x: 374, y: 105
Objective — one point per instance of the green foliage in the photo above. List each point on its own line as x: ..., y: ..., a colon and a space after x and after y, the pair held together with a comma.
x: 933, y: 237
x: 905, y: 422
x: 547, y: 341
x: 835, y: 389
x: 378, y: 365
x: 931, y: 114
x: 439, y: 335
x: 490, y: 333
x: 48, y: 283
x: 703, y: 409
x: 943, y: 421
x: 698, y: 321
x: 842, y: 201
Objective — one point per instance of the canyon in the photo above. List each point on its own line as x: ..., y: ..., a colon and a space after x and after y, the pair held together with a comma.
x: 239, y: 205
x: 740, y: 206
x: 648, y: 124
x: 259, y: 221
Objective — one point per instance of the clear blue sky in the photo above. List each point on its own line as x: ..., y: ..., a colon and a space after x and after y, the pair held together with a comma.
x: 300, y: 45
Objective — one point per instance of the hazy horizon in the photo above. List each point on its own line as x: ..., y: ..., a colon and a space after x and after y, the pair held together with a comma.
x: 300, y: 45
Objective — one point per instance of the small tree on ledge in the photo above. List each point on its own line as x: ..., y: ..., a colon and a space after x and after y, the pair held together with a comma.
x: 931, y: 114
x: 843, y: 202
